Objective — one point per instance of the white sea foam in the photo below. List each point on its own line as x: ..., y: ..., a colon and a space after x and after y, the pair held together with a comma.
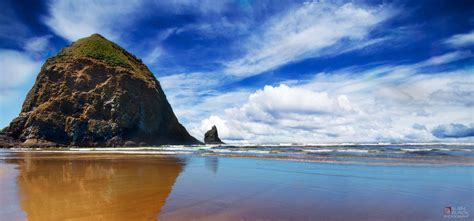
x: 240, y: 151
x: 317, y: 150
x: 352, y: 144
x: 416, y: 150
x: 352, y: 151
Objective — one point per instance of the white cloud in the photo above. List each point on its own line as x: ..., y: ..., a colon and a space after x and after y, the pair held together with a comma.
x: 195, y: 95
x: 215, y: 121
x: 461, y: 40
x: 307, y: 31
x: 277, y: 102
x: 375, y: 105
x: 203, y: 6
x: 17, y: 69
x: 16, y: 77
x: 154, y: 55
x: 447, y: 58
x: 37, y: 44
x: 155, y: 50
x: 181, y: 86
x: 282, y: 114
x: 38, y: 47
x: 77, y: 19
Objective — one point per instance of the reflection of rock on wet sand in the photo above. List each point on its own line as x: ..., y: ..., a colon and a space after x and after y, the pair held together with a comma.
x: 212, y: 163
x: 134, y: 188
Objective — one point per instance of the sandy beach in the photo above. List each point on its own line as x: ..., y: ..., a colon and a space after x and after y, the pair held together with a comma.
x: 80, y: 186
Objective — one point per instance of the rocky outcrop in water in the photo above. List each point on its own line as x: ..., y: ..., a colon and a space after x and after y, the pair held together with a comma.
x: 212, y: 137
x: 94, y: 93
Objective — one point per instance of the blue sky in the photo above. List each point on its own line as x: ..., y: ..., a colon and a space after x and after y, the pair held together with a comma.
x: 273, y: 71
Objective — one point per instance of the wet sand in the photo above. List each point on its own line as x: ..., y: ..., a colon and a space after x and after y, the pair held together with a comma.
x: 84, y: 187
x: 77, y: 186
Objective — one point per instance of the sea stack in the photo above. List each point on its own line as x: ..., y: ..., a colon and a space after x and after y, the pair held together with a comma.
x: 94, y: 93
x: 212, y: 137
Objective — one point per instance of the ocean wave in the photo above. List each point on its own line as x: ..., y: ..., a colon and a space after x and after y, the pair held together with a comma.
x: 395, y: 151
x: 353, y: 150
x: 416, y: 150
x: 251, y: 151
x: 317, y: 150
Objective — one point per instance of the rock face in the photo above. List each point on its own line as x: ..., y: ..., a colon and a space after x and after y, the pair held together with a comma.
x: 94, y: 93
x: 211, y: 136
x: 7, y: 141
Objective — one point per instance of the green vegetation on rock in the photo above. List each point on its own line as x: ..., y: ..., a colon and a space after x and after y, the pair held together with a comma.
x: 98, y: 47
x: 101, y: 49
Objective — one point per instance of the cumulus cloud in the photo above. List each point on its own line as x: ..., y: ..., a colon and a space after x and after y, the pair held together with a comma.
x: 280, y: 102
x: 283, y: 114
x: 453, y: 131
x: 461, y: 40
x: 384, y: 103
x: 307, y: 31
x: 215, y: 121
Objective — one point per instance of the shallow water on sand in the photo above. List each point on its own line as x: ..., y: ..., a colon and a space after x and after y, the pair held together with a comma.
x: 374, y: 154
x: 78, y: 187
x: 92, y: 186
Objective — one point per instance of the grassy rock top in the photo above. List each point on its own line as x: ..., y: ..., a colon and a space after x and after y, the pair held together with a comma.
x: 99, y: 48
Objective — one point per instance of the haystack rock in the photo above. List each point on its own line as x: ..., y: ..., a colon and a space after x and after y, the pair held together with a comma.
x: 94, y: 93
x: 212, y: 137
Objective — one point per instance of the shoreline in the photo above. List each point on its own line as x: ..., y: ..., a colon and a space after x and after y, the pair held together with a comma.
x: 428, y: 161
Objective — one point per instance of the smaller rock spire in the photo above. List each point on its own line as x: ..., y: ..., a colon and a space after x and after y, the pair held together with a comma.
x: 211, y: 136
